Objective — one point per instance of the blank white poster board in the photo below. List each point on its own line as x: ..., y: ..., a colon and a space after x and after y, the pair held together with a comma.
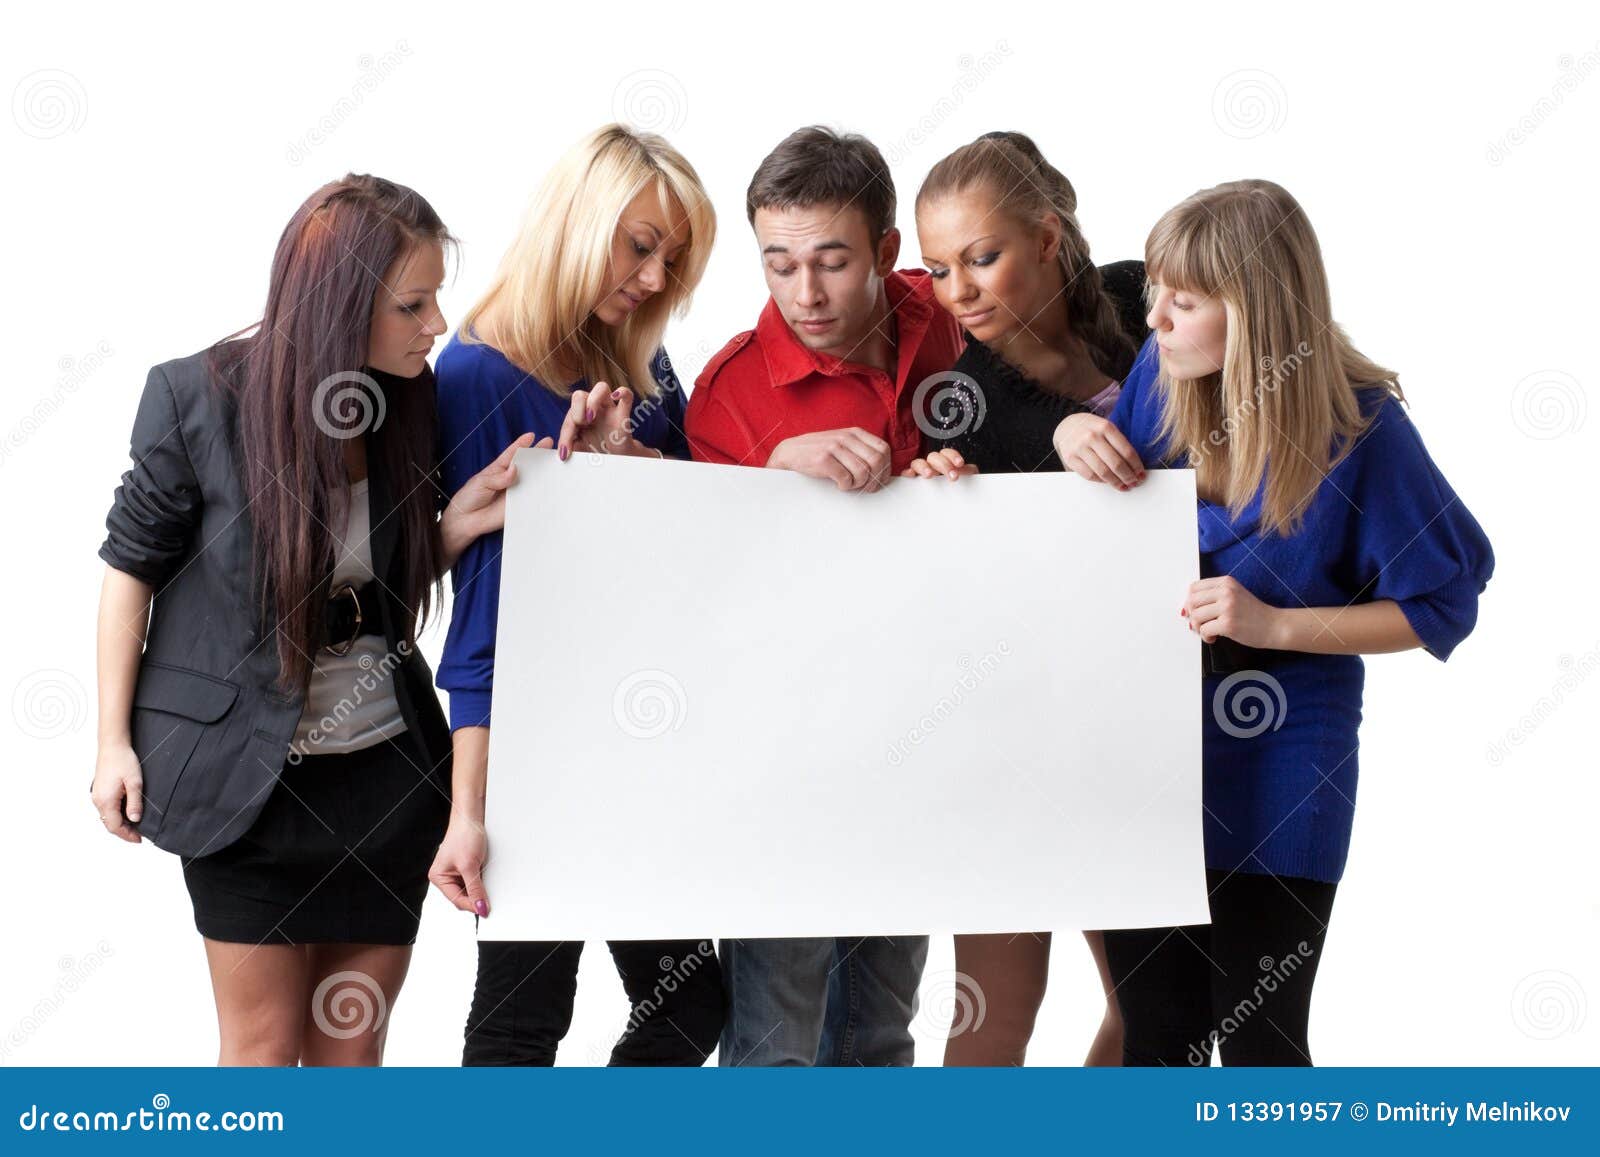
x: 737, y: 702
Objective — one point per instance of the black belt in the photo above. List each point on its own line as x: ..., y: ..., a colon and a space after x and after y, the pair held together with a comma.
x: 351, y: 612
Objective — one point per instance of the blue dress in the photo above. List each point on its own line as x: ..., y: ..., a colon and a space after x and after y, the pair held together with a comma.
x: 1280, y: 744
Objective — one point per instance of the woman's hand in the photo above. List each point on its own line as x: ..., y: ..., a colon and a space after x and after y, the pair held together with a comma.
x: 479, y: 507
x: 600, y: 421
x: 1092, y: 447
x: 457, y: 869
x: 1223, y: 607
x: 118, y: 778
x: 941, y: 463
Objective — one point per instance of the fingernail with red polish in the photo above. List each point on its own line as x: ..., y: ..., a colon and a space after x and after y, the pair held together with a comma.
x: 480, y: 908
x: 588, y: 415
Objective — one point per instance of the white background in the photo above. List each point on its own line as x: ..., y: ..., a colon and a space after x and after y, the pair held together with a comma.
x: 152, y: 158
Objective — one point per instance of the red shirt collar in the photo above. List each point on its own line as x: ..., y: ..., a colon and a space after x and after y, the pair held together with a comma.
x: 789, y: 360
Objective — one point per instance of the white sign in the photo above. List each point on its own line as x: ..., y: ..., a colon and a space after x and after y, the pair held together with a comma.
x: 737, y: 702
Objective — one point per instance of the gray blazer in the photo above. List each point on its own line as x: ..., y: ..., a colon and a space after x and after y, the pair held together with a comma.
x: 209, y: 728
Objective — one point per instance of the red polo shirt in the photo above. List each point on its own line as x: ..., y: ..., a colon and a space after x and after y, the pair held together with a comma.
x: 765, y: 386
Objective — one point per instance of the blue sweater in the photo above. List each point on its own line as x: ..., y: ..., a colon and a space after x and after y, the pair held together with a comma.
x: 485, y: 404
x: 1280, y: 745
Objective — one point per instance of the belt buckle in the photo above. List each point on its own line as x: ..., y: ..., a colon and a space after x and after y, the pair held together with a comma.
x: 344, y: 647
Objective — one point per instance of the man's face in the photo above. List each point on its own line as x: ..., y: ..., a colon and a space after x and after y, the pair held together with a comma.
x: 825, y: 272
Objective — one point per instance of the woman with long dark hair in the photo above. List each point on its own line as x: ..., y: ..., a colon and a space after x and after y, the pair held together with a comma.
x: 264, y: 711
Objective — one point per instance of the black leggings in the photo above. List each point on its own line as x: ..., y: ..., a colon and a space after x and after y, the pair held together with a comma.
x: 1241, y: 983
x: 522, y: 1005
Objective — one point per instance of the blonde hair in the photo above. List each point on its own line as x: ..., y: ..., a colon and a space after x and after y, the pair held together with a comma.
x: 1286, y: 405
x: 549, y: 280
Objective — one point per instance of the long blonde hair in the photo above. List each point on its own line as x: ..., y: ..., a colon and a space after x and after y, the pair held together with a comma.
x: 1286, y: 405
x: 550, y: 278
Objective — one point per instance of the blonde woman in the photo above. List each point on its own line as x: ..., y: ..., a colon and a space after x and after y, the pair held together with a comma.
x: 1326, y: 533
x: 568, y: 334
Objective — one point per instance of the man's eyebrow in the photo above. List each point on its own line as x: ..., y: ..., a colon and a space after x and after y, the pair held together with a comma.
x: 817, y: 248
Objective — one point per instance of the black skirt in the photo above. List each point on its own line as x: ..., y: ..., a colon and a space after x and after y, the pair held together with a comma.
x: 339, y: 854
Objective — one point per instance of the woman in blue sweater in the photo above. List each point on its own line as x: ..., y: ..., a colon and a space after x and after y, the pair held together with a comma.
x: 615, y: 241
x: 1326, y: 533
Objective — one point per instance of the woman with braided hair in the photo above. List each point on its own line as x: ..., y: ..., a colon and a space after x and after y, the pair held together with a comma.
x: 1048, y: 335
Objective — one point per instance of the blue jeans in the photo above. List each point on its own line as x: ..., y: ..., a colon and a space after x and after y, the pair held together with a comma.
x: 820, y: 1001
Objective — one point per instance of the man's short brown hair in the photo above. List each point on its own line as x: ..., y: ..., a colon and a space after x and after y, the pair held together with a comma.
x: 817, y: 166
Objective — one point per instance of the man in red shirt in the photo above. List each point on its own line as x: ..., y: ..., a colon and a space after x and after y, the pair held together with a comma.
x: 824, y: 385
x: 825, y: 382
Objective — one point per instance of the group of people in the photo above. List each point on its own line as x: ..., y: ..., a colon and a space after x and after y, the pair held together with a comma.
x: 300, y: 488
